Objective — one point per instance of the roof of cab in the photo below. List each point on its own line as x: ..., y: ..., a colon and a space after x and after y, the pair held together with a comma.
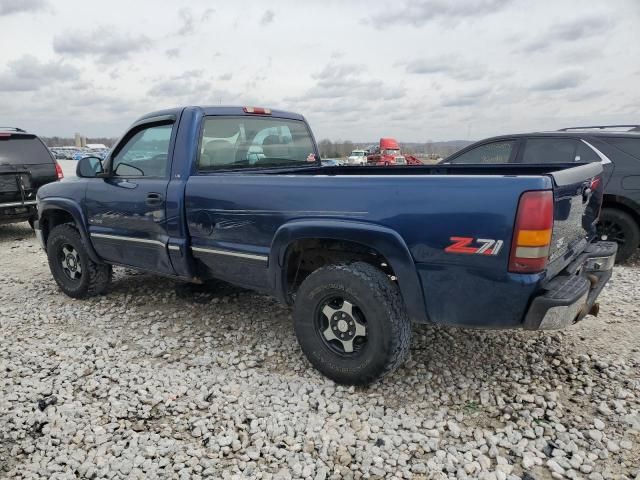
x: 221, y: 110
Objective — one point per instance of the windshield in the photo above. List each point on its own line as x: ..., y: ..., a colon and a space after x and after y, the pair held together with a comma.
x: 391, y: 151
x: 357, y: 153
x: 240, y: 142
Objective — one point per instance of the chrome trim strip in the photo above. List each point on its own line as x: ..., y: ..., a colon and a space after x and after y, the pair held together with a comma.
x: 174, y: 247
x: 128, y: 239
x: 214, y: 251
x: 18, y: 204
x: 286, y: 212
x: 603, y: 158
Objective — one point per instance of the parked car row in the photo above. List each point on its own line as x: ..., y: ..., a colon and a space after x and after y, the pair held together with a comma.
x: 74, y: 153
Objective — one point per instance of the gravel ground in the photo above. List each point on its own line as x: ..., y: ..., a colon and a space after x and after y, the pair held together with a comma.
x: 162, y: 380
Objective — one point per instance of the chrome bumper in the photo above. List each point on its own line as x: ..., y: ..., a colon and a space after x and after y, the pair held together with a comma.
x: 570, y: 296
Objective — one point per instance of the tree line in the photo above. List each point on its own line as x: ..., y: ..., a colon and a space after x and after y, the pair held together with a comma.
x: 71, y: 141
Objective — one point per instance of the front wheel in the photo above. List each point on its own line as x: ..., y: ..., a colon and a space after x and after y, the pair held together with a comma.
x: 72, y: 269
x: 620, y: 227
x: 351, y: 323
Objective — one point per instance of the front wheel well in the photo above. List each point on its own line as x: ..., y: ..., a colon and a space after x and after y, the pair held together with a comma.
x: 51, y: 219
x: 307, y: 255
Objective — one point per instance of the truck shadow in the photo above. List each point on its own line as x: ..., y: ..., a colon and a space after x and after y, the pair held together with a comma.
x: 451, y: 364
x: 15, y: 232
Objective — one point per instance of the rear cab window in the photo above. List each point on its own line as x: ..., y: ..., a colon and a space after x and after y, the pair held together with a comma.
x: 20, y: 149
x: 229, y: 143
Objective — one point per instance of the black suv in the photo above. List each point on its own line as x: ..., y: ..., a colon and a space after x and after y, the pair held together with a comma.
x: 616, y: 146
x: 25, y: 165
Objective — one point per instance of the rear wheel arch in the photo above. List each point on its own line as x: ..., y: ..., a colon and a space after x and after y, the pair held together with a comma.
x: 351, y: 242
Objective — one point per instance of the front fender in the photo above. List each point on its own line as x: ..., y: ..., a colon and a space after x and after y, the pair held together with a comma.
x: 384, y: 240
x: 50, y: 204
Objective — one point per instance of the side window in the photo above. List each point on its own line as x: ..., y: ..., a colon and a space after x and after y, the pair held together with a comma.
x: 145, y: 154
x: 628, y: 145
x: 551, y: 150
x: 497, y: 152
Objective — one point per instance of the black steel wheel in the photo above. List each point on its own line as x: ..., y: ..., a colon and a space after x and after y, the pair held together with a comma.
x: 73, y: 270
x: 351, y: 323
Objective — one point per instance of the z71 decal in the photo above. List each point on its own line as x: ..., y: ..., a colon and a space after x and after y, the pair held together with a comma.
x: 474, y: 246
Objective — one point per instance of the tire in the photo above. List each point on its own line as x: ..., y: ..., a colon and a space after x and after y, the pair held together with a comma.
x: 81, y: 277
x: 620, y: 227
x: 31, y: 221
x: 377, y: 305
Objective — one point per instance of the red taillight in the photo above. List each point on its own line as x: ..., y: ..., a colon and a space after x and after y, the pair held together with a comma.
x: 5, y: 135
x: 532, y: 233
x: 59, y: 172
x: 257, y: 110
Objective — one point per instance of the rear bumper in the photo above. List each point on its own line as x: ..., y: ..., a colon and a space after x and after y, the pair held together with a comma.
x: 570, y: 296
x: 13, y: 212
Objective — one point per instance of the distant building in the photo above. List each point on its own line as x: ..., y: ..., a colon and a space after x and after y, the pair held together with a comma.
x: 80, y: 140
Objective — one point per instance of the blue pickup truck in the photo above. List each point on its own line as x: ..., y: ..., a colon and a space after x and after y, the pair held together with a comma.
x: 239, y: 194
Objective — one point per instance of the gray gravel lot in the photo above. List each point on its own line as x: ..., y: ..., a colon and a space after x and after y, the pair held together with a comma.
x: 163, y: 380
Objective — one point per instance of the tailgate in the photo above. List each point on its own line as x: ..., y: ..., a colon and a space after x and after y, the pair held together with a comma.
x: 577, y: 193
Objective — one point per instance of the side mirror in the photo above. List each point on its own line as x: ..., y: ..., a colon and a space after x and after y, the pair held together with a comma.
x: 89, y: 167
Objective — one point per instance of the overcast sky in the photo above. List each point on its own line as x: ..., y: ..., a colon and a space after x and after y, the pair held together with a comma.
x: 358, y: 70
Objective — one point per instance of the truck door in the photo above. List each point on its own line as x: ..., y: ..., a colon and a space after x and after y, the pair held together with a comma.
x: 126, y: 210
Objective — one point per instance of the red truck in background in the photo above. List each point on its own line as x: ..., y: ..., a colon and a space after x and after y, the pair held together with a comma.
x: 388, y: 153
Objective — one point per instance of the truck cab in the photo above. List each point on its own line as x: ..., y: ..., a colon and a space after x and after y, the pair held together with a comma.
x: 357, y: 157
x: 387, y: 153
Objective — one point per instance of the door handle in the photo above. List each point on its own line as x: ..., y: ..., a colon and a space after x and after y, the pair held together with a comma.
x: 154, y: 199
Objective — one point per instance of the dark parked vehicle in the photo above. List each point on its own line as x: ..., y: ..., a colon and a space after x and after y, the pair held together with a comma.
x: 617, y: 147
x: 239, y: 194
x: 25, y: 165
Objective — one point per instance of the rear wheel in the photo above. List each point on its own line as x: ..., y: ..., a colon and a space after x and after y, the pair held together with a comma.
x: 72, y: 269
x: 620, y: 227
x: 351, y: 323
